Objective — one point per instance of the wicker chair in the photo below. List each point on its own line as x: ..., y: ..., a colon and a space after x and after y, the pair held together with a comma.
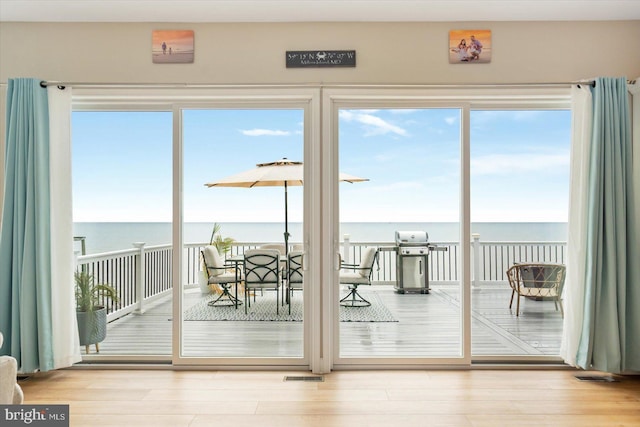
x: 537, y: 281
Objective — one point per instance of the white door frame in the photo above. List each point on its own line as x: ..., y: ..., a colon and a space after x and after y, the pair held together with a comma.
x: 333, y: 100
x: 254, y: 98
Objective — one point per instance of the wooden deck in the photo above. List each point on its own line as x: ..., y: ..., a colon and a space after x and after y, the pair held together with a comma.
x: 428, y: 326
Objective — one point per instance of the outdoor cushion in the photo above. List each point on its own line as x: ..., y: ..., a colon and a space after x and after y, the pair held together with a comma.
x: 223, y: 278
x: 212, y: 259
x: 366, y: 264
x: 354, y: 278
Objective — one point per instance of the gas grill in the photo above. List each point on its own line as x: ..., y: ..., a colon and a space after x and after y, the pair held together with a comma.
x: 412, y: 269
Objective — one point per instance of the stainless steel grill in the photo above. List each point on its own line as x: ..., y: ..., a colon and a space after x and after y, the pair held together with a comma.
x: 412, y: 269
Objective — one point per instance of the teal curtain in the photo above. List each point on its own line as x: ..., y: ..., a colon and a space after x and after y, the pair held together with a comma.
x: 611, y: 327
x: 25, y: 254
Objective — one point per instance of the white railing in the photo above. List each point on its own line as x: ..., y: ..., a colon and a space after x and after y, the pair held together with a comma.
x: 139, y: 275
x: 143, y: 274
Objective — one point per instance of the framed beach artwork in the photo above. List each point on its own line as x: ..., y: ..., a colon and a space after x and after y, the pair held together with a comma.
x: 469, y: 46
x: 172, y: 46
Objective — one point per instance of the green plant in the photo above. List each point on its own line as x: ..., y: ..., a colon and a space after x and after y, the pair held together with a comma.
x: 89, y: 295
x: 223, y: 245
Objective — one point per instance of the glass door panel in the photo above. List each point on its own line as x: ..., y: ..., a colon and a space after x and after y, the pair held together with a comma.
x: 122, y: 224
x: 406, y: 303
x: 247, y: 207
x: 519, y: 213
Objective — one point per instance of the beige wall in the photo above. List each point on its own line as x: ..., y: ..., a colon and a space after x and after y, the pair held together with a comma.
x: 387, y: 53
x: 255, y: 53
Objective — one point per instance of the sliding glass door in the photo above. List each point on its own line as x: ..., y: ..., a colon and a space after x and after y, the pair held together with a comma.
x: 519, y: 214
x: 244, y: 230
x: 236, y: 165
x: 394, y: 209
x: 122, y: 225
x: 399, y: 293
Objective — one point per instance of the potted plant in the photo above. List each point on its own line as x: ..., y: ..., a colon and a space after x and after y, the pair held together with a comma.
x: 223, y: 245
x: 90, y: 311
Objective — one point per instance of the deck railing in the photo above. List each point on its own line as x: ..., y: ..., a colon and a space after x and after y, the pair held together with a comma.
x: 143, y: 274
x: 139, y: 275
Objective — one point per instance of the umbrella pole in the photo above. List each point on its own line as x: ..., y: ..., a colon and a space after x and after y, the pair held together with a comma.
x: 286, y: 221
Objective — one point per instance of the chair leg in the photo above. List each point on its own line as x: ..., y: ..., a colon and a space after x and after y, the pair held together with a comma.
x: 354, y: 299
x: 518, y: 306
x: 233, y: 301
x: 559, y: 302
x: 511, y: 300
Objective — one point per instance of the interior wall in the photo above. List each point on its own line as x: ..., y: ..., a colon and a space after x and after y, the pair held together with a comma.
x: 254, y: 53
x: 387, y: 53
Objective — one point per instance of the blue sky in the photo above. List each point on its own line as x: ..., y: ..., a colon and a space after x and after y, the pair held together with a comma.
x: 122, y: 166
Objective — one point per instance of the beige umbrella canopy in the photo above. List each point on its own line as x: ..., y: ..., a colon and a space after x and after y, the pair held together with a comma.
x: 283, y: 173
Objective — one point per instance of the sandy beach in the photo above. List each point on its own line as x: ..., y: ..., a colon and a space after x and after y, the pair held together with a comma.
x: 174, y: 58
x: 485, y: 58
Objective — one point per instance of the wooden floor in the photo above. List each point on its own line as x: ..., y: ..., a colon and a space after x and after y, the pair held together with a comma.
x: 428, y: 326
x: 478, y: 398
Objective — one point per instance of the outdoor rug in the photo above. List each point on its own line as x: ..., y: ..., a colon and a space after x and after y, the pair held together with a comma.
x: 264, y: 310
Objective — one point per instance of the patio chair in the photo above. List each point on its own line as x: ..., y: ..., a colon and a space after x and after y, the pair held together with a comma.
x: 355, y: 275
x: 223, y: 274
x: 294, y: 275
x: 261, y: 271
x: 277, y: 246
x: 537, y: 281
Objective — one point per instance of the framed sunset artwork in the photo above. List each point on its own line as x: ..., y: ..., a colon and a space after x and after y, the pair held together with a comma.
x: 172, y: 46
x: 469, y: 46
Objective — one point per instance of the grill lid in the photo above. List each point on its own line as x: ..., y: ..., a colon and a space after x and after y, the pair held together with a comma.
x: 412, y: 238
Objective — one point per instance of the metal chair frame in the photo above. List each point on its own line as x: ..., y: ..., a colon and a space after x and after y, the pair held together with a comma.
x: 353, y: 298
x: 261, y: 271
x: 295, y: 275
x: 225, y: 285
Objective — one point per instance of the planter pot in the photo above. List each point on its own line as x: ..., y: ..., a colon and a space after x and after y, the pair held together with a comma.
x: 203, y: 282
x: 92, y: 327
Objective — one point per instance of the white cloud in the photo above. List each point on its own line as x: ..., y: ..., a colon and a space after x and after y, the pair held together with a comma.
x: 373, y: 125
x: 502, y: 164
x: 265, y: 132
x: 451, y: 120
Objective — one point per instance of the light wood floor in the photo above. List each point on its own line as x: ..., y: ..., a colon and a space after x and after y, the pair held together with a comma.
x: 476, y: 398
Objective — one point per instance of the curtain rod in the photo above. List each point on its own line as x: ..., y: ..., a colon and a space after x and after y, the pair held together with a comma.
x: 61, y: 85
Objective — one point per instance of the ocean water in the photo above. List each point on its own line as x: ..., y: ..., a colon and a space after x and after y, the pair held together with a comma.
x: 110, y: 236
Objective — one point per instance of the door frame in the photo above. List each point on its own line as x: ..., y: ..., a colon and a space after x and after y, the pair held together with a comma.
x: 320, y: 199
x: 308, y: 100
x: 367, y: 98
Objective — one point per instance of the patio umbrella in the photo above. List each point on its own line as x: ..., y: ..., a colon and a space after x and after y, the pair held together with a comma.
x: 283, y: 173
